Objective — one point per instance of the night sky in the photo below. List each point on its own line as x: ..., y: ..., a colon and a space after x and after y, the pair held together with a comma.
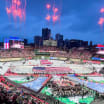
x: 78, y: 20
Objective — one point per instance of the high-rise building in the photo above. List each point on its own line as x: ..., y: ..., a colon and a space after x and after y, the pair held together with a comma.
x: 50, y: 43
x: 91, y: 44
x: 67, y: 43
x: 25, y: 41
x: 38, y: 41
x: 46, y: 34
x: 59, y: 39
x: 1, y: 44
x: 75, y: 43
x: 85, y: 43
x: 78, y: 43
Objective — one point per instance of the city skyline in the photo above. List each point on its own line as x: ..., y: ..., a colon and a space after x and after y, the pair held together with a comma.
x: 78, y: 20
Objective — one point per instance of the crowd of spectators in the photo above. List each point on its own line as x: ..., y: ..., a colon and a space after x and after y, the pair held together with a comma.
x: 15, y: 95
x: 47, y: 49
x: 69, y: 91
x: 82, y: 54
x: 98, y: 55
x: 16, y: 53
x: 59, y: 54
x: 74, y: 53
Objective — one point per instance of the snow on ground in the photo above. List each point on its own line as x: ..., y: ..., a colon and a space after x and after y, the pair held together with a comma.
x: 3, y: 69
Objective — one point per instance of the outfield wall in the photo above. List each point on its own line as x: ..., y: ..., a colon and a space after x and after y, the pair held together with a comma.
x: 10, y: 59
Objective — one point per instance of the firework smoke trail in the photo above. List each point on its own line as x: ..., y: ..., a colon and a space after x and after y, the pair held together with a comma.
x: 53, y: 11
x: 16, y: 8
x: 101, y: 19
x: 48, y: 17
x: 48, y: 6
x: 102, y: 10
x: 55, y: 16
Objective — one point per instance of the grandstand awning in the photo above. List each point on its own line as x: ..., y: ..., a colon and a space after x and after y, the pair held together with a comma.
x: 93, y: 62
x: 100, y: 46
